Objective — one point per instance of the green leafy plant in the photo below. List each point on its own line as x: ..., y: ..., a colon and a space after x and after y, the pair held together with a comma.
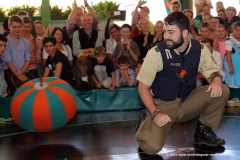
x: 67, y: 11
x: 25, y: 7
x: 2, y: 12
x: 56, y: 11
x: 105, y: 8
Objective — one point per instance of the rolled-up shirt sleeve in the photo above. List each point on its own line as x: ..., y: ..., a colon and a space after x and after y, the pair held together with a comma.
x: 151, y: 65
x: 207, y: 65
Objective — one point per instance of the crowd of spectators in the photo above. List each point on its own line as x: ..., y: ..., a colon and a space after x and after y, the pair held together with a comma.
x: 86, y: 58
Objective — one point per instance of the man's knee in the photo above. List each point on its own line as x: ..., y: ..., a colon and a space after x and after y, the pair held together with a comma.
x: 150, y: 148
x: 225, y: 92
x: 82, y: 61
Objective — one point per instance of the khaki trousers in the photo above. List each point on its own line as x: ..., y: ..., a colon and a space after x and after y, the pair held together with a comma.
x: 151, y: 137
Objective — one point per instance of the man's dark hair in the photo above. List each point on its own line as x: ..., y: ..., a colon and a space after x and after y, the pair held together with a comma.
x: 49, y: 39
x: 126, y: 26
x: 3, y: 38
x: 208, y: 40
x: 123, y: 60
x: 179, y: 19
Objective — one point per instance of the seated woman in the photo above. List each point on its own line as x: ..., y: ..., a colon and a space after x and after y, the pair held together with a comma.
x: 158, y: 33
x: 112, y: 42
x: 65, y: 49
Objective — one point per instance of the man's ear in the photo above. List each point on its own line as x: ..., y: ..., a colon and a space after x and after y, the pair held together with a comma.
x: 185, y: 33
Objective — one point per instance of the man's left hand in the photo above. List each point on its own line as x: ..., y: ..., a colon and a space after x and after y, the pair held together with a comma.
x: 215, y: 87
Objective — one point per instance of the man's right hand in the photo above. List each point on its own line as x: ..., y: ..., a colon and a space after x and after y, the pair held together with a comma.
x: 161, y: 119
x: 22, y: 78
x: 18, y: 72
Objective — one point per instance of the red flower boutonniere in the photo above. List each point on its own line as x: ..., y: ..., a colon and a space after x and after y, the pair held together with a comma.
x: 182, y: 74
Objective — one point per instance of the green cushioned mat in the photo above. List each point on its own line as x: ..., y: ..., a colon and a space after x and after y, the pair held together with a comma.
x: 124, y: 98
x: 234, y: 93
x: 5, y: 107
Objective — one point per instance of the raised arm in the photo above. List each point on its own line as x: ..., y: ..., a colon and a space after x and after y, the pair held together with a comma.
x: 90, y: 9
x: 72, y: 14
x: 135, y: 15
x: 107, y: 35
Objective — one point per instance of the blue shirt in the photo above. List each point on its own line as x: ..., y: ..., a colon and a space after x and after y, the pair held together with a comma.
x: 18, y: 53
x: 118, y: 76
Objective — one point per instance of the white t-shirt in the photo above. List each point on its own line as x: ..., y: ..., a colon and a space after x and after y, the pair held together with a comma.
x: 111, y: 45
x: 229, y: 45
x: 217, y: 57
x: 67, y: 52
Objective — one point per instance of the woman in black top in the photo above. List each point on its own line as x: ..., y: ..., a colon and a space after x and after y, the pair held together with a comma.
x: 145, y: 39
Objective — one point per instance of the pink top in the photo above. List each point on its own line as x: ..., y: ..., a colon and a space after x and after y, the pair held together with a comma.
x: 32, y: 48
x: 222, y: 48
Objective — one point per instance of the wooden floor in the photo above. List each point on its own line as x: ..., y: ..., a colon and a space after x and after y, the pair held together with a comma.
x: 110, y: 136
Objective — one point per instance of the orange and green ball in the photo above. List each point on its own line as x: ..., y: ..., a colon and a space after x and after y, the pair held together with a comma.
x: 45, y: 107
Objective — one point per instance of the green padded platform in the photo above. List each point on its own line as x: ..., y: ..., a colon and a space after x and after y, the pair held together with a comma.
x: 124, y: 98
x: 5, y: 107
x: 234, y: 93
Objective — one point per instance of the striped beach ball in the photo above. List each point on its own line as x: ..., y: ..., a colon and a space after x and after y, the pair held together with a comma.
x: 45, y: 107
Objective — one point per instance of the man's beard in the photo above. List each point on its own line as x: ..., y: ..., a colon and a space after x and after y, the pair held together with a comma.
x: 174, y: 44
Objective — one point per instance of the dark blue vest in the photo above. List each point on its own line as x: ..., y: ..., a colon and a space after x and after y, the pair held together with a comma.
x: 167, y: 85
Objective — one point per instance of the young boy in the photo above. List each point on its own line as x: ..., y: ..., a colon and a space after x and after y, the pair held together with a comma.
x: 57, y: 62
x: 102, y: 69
x: 124, y: 75
x: 35, y: 48
x: 139, y: 65
x: 216, y: 57
x: 16, y: 57
x: 205, y: 31
x: 3, y: 85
